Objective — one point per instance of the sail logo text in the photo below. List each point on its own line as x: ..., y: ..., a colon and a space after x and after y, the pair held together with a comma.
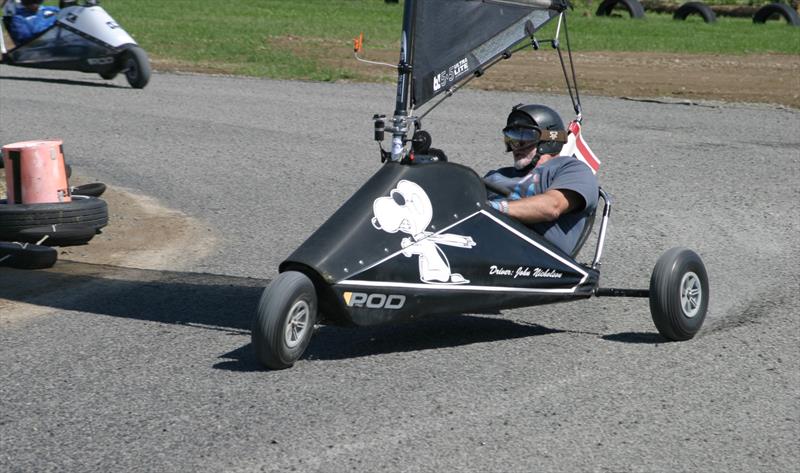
x: 441, y: 79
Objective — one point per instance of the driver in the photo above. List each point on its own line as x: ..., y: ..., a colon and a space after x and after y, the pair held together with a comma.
x: 551, y: 194
x: 30, y: 20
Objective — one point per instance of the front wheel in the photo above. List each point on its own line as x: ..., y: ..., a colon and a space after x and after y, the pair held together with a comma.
x: 679, y: 294
x: 285, y: 320
x: 137, y: 67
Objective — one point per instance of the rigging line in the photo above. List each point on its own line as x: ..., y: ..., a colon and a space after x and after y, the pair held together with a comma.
x: 579, y: 109
x: 575, y: 104
x: 393, y: 66
x: 566, y: 78
x: 558, y: 25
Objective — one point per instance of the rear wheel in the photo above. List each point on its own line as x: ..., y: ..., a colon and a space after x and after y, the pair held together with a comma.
x: 137, y: 67
x: 679, y: 294
x: 285, y: 320
x: 109, y: 75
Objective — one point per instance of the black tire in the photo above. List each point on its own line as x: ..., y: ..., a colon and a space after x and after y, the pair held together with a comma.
x: 695, y: 8
x: 95, y: 189
x: 109, y: 75
x: 26, y: 255
x: 57, y: 235
x: 767, y: 11
x: 285, y: 320
x: 82, y: 210
x: 679, y: 294
x: 634, y: 8
x: 136, y: 66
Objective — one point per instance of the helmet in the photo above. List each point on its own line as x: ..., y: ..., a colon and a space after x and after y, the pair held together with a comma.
x: 527, y: 122
x: 28, y: 3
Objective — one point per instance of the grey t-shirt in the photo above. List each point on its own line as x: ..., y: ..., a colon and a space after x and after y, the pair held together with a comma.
x: 562, y: 172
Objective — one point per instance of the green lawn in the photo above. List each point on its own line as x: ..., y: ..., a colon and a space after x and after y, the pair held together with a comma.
x: 287, y: 38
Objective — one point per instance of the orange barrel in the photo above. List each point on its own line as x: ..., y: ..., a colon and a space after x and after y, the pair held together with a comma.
x: 35, y: 172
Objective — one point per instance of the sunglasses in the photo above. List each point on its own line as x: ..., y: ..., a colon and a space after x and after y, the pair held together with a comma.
x: 522, y: 136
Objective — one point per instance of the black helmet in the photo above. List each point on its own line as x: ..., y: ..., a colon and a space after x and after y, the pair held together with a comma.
x: 32, y: 2
x: 534, y: 116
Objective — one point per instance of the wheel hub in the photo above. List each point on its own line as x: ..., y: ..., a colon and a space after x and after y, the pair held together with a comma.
x: 691, y: 294
x: 296, y: 324
x: 131, y: 70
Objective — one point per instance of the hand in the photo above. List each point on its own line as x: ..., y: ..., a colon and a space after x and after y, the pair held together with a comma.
x: 501, y: 205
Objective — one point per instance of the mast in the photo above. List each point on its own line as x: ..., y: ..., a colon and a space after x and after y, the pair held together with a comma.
x: 400, y: 123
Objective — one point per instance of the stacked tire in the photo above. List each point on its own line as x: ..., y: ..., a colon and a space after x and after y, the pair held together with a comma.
x: 29, y: 231
x: 64, y: 223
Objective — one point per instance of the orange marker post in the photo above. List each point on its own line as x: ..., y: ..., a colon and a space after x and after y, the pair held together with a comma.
x: 35, y: 172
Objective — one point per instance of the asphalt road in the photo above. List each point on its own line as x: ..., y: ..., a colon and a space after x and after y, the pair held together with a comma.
x: 152, y: 370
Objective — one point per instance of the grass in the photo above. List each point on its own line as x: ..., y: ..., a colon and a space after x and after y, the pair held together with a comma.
x: 297, y: 38
x: 660, y: 33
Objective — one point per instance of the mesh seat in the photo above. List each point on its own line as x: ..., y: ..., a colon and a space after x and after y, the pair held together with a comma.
x: 587, y: 227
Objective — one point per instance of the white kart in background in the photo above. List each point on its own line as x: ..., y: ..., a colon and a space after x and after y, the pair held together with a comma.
x: 84, y: 38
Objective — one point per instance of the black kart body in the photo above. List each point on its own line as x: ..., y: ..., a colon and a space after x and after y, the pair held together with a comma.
x: 419, y: 237
x: 367, y: 275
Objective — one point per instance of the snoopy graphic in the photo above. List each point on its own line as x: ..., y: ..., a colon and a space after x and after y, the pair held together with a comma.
x: 408, y: 209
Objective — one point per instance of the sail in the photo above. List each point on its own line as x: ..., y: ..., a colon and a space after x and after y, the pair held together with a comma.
x: 454, y: 38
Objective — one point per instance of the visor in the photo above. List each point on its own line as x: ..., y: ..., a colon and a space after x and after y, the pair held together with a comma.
x: 517, y: 137
x: 521, y: 136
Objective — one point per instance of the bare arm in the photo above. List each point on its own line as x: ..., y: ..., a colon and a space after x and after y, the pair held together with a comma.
x: 545, y: 207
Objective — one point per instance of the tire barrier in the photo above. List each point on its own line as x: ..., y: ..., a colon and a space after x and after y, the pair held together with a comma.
x: 634, y: 8
x: 94, y: 189
x: 695, y: 8
x: 27, y: 255
x: 777, y: 9
x: 64, y: 224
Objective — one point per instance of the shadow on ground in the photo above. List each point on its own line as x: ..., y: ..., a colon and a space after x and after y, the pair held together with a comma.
x: 161, y: 296
x: 338, y: 343
x: 636, y: 337
x: 228, y: 303
x: 87, y: 83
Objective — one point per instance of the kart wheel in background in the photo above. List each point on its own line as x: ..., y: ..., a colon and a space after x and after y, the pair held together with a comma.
x: 699, y: 8
x: 774, y: 10
x: 634, y: 8
x: 109, y: 75
x: 137, y: 67
x: 285, y: 320
x: 26, y: 255
x: 679, y: 294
